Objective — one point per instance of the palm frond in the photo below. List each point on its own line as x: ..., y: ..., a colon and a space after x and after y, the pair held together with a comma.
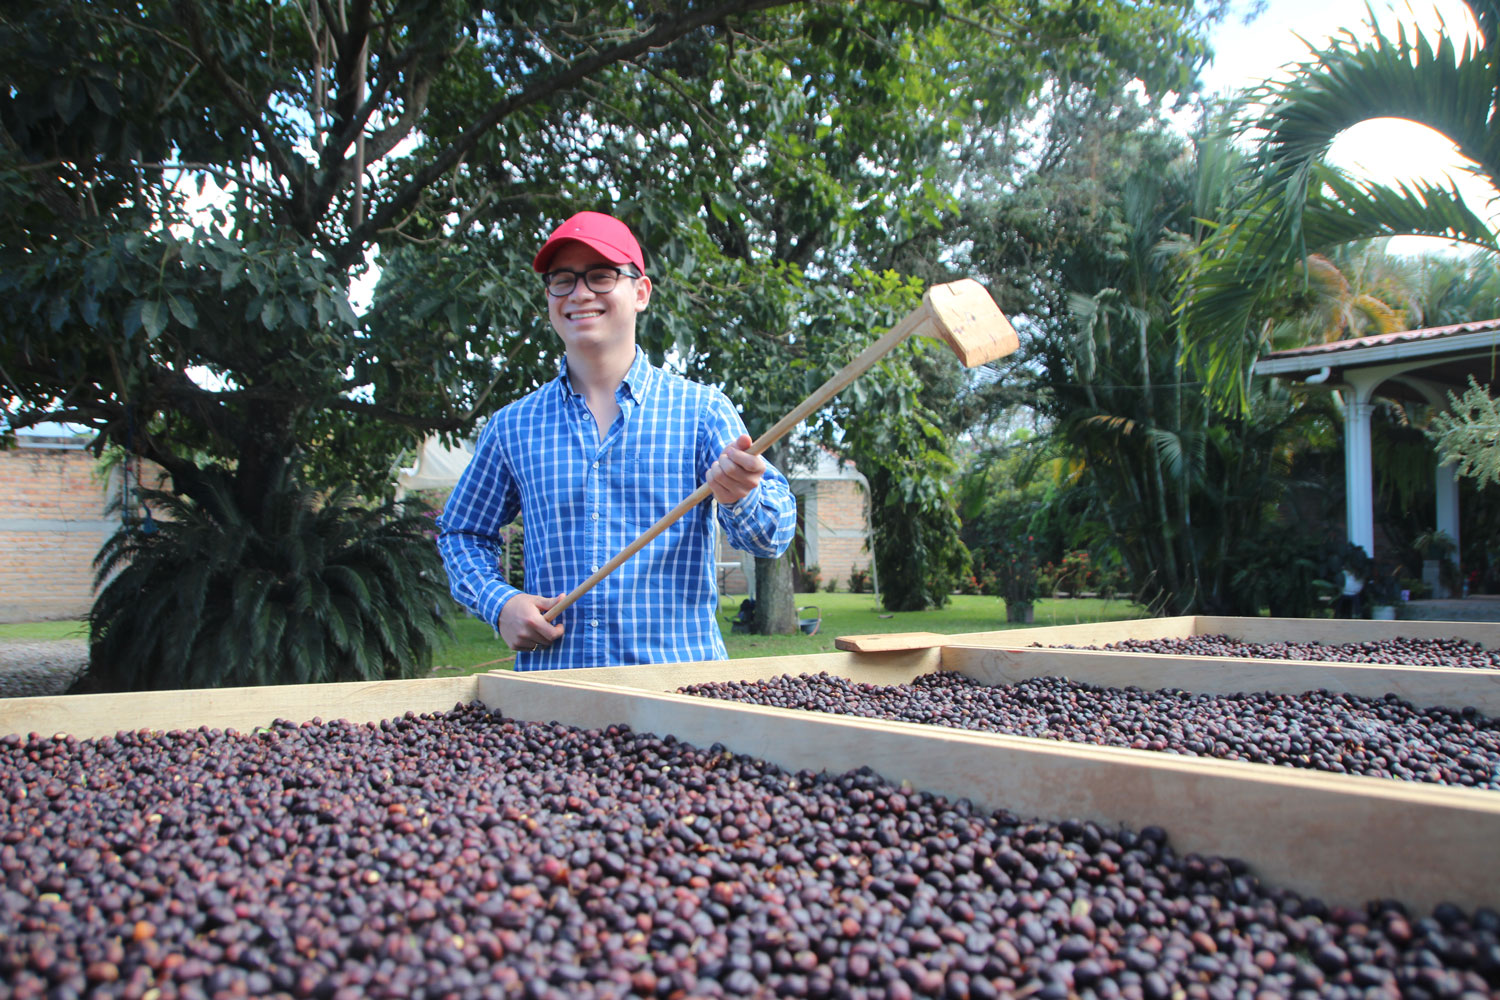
x: 1354, y: 80
x: 1169, y: 449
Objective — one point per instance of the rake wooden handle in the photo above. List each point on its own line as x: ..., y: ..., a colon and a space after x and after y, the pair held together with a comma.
x: 962, y: 314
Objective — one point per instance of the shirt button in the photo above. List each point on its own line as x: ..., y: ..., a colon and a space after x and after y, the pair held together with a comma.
x: 593, y: 569
x: 595, y: 515
x: 596, y: 465
x: 593, y: 623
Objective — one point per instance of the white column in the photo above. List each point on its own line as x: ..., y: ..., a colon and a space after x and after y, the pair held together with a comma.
x: 1359, y: 503
x: 1445, y: 477
x: 1446, y: 482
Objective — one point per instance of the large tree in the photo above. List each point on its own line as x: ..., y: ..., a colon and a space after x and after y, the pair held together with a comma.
x: 223, y: 337
x: 194, y: 190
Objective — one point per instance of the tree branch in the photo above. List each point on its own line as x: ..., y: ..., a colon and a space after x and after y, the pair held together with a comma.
x: 387, y: 139
x: 280, y: 158
x: 387, y: 415
x: 335, y: 167
x: 661, y: 35
x: 351, y: 48
x: 332, y: 20
x: 213, y: 170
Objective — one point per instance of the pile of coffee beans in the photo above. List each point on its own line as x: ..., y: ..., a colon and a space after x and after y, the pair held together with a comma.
x: 464, y: 855
x: 1340, y: 733
x: 1405, y: 652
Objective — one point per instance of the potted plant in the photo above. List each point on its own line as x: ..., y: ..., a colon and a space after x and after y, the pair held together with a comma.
x: 1018, y: 579
x: 1439, y: 567
x: 1384, y: 592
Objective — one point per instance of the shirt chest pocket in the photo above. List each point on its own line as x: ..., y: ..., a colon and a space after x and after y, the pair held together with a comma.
x: 650, y: 482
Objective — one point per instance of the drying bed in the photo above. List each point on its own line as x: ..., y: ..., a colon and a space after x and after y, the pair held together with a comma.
x: 1199, y: 634
x: 1450, y: 652
x: 1344, y: 840
x: 1317, y: 730
x: 465, y: 854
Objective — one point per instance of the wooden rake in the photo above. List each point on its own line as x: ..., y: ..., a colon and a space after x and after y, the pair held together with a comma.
x: 961, y: 314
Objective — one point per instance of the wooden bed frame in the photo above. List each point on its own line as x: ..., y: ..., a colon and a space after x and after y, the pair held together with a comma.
x: 1344, y: 839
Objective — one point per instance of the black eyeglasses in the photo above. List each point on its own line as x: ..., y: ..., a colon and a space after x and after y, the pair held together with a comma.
x: 600, y: 280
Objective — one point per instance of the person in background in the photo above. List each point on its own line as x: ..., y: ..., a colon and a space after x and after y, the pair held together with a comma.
x: 590, y: 461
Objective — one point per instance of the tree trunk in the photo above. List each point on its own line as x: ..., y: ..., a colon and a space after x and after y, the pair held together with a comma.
x: 775, y: 607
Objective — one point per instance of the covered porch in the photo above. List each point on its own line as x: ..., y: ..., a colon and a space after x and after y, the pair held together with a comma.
x: 1421, y: 366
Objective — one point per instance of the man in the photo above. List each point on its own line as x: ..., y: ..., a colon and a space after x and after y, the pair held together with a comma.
x: 590, y: 461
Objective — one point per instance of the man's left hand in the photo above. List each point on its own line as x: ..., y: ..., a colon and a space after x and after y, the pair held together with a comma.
x: 735, y: 473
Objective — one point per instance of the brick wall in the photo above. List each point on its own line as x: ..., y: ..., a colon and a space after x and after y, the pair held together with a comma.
x: 836, y: 526
x: 53, y: 501
x: 52, y: 523
x: 837, y: 529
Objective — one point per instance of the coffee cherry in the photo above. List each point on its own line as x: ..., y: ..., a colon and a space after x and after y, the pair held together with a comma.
x: 1318, y: 730
x: 1452, y: 652
x: 462, y: 854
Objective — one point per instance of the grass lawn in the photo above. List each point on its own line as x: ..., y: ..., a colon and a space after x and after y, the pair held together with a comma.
x: 476, y: 648
x: 34, y: 631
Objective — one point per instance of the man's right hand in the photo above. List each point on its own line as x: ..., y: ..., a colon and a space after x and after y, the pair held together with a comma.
x: 522, y: 626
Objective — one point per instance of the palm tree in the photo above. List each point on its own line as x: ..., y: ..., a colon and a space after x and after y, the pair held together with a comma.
x: 1450, y: 290
x: 1183, y: 489
x: 315, y: 589
x: 1341, y: 305
x: 1300, y: 205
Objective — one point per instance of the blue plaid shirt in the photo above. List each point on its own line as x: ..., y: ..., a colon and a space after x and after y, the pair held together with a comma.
x: 582, y: 500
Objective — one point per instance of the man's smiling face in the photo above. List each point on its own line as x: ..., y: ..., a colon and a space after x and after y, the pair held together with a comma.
x: 587, y: 320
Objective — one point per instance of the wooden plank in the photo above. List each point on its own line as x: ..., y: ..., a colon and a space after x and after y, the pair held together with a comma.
x: 1084, y: 634
x: 1266, y: 630
x: 91, y: 715
x: 1344, y: 839
x: 1427, y: 687
x: 900, y: 667
x: 1090, y: 633
x: 883, y: 642
x: 1333, y: 630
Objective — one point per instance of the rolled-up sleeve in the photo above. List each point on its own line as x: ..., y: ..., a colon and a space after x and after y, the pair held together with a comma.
x: 764, y: 521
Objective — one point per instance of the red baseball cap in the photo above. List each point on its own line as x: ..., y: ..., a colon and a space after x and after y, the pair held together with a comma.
x: 604, y: 233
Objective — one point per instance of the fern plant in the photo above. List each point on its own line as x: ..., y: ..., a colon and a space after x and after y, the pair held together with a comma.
x: 307, y: 589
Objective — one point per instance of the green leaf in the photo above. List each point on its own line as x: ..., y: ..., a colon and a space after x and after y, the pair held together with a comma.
x: 103, y: 95
x: 345, y: 311
x: 131, y: 321
x: 153, y: 318
x: 58, y: 312
x: 183, y: 311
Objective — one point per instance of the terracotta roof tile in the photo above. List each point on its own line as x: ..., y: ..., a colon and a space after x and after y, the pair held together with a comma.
x: 1403, y: 336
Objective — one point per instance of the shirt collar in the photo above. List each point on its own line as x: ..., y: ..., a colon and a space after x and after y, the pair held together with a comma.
x: 635, y: 384
x: 638, y: 379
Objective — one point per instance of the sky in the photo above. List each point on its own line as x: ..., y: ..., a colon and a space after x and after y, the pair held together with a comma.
x: 1384, y: 150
